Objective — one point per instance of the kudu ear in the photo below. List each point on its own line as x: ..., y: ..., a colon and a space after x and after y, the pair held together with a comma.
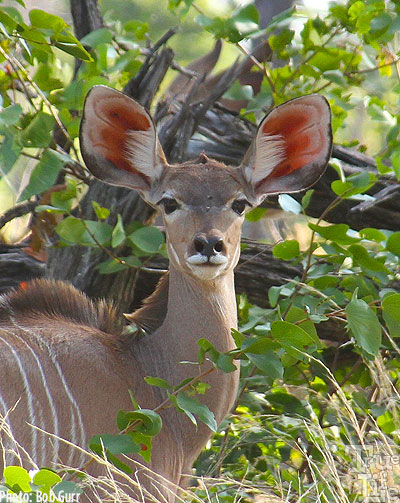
x: 292, y: 147
x: 118, y: 140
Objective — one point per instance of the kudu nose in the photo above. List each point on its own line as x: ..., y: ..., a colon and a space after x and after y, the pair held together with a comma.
x: 208, y: 245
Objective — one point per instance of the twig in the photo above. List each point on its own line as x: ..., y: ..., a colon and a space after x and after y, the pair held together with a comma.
x: 259, y: 65
x: 18, y: 211
x: 166, y: 402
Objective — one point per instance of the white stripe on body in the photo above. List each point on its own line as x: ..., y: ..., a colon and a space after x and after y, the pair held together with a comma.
x: 76, y: 437
x: 29, y: 396
x: 44, y: 457
x: 5, y: 425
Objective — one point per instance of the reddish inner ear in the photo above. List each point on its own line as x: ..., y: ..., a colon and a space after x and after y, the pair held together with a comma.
x: 300, y: 128
x: 109, y: 134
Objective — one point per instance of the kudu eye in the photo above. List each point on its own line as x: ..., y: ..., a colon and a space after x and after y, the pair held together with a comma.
x: 239, y: 206
x: 170, y: 204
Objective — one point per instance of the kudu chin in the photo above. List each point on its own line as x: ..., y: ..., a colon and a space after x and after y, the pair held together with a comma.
x: 66, y: 366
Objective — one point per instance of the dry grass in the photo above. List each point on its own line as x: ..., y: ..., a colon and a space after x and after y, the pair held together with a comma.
x: 357, y: 459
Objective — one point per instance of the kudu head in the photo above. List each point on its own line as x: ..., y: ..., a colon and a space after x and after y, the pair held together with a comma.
x: 203, y: 202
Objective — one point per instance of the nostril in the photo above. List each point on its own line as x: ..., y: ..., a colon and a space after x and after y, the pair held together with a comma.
x: 219, y: 246
x: 200, y: 244
x: 208, y: 245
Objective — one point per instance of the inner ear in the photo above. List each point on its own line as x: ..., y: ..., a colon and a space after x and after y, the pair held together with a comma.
x: 118, y: 140
x: 302, y: 139
x: 292, y: 147
x: 116, y: 123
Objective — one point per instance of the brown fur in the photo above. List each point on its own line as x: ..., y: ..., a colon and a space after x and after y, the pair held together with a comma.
x: 56, y: 299
x: 151, y: 315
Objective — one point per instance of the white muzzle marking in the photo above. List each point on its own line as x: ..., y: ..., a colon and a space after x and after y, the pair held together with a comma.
x: 199, y: 259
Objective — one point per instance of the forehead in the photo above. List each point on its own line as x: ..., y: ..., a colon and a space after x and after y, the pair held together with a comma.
x: 213, y: 183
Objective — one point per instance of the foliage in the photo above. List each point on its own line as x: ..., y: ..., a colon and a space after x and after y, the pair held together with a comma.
x: 313, y: 413
x: 39, y: 485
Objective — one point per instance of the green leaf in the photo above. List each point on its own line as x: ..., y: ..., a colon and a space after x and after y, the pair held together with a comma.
x: 300, y: 317
x: 139, y: 28
x: 281, y: 41
x: 75, y: 230
x: 9, y: 116
x: 336, y: 233
x: 364, y: 324
x: 225, y: 363
x: 101, y: 213
x: 289, y: 204
x: 112, y: 445
x: 127, y: 62
x: 335, y: 76
x: 47, y: 78
x: 74, y: 49
x: 386, y: 423
x: 46, y: 21
x: 286, y: 250
x: 191, y: 406
x: 356, y: 9
x: 364, y: 259
x: 391, y: 313
x: 292, y: 337
x: 248, y: 14
x: 71, y: 229
x: 97, y: 37
x: 67, y: 489
x: 305, y: 200
x: 9, y: 152
x: 269, y: 362
x: 393, y: 243
x: 35, y: 36
x: 355, y: 184
x: 341, y: 188
x: 17, y: 479
x: 286, y: 403
x: 148, y: 239
x: 239, y: 92
x: 273, y: 295
x: 241, y: 24
x: 118, y: 233
x: 115, y: 444
x: 45, y: 479
x: 372, y: 234
x: 396, y: 163
x: 64, y: 199
x: 259, y: 345
x: 150, y: 423
x: 112, y: 266
x: 207, y: 348
x: 157, y: 381
x: 43, y: 176
x: 256, y: 214
x: 39, y: 131
x: 8, y: 22
x: 246, y: 19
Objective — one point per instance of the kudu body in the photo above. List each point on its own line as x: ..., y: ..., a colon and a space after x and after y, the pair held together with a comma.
x: 65, y: 365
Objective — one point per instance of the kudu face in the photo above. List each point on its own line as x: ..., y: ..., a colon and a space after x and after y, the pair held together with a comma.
x: 203, y: 202
x: 203, y: 208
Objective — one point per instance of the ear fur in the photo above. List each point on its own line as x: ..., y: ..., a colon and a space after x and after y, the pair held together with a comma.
x: 118, y: 140
x: 291, y: 149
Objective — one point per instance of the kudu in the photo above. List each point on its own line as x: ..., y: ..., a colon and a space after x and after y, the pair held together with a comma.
x: 66, y: 365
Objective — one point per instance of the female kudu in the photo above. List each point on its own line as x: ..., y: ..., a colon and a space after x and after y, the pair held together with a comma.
x: 65, y: 365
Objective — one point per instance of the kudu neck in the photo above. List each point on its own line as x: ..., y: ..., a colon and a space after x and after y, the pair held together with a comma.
x: 192, y: 301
